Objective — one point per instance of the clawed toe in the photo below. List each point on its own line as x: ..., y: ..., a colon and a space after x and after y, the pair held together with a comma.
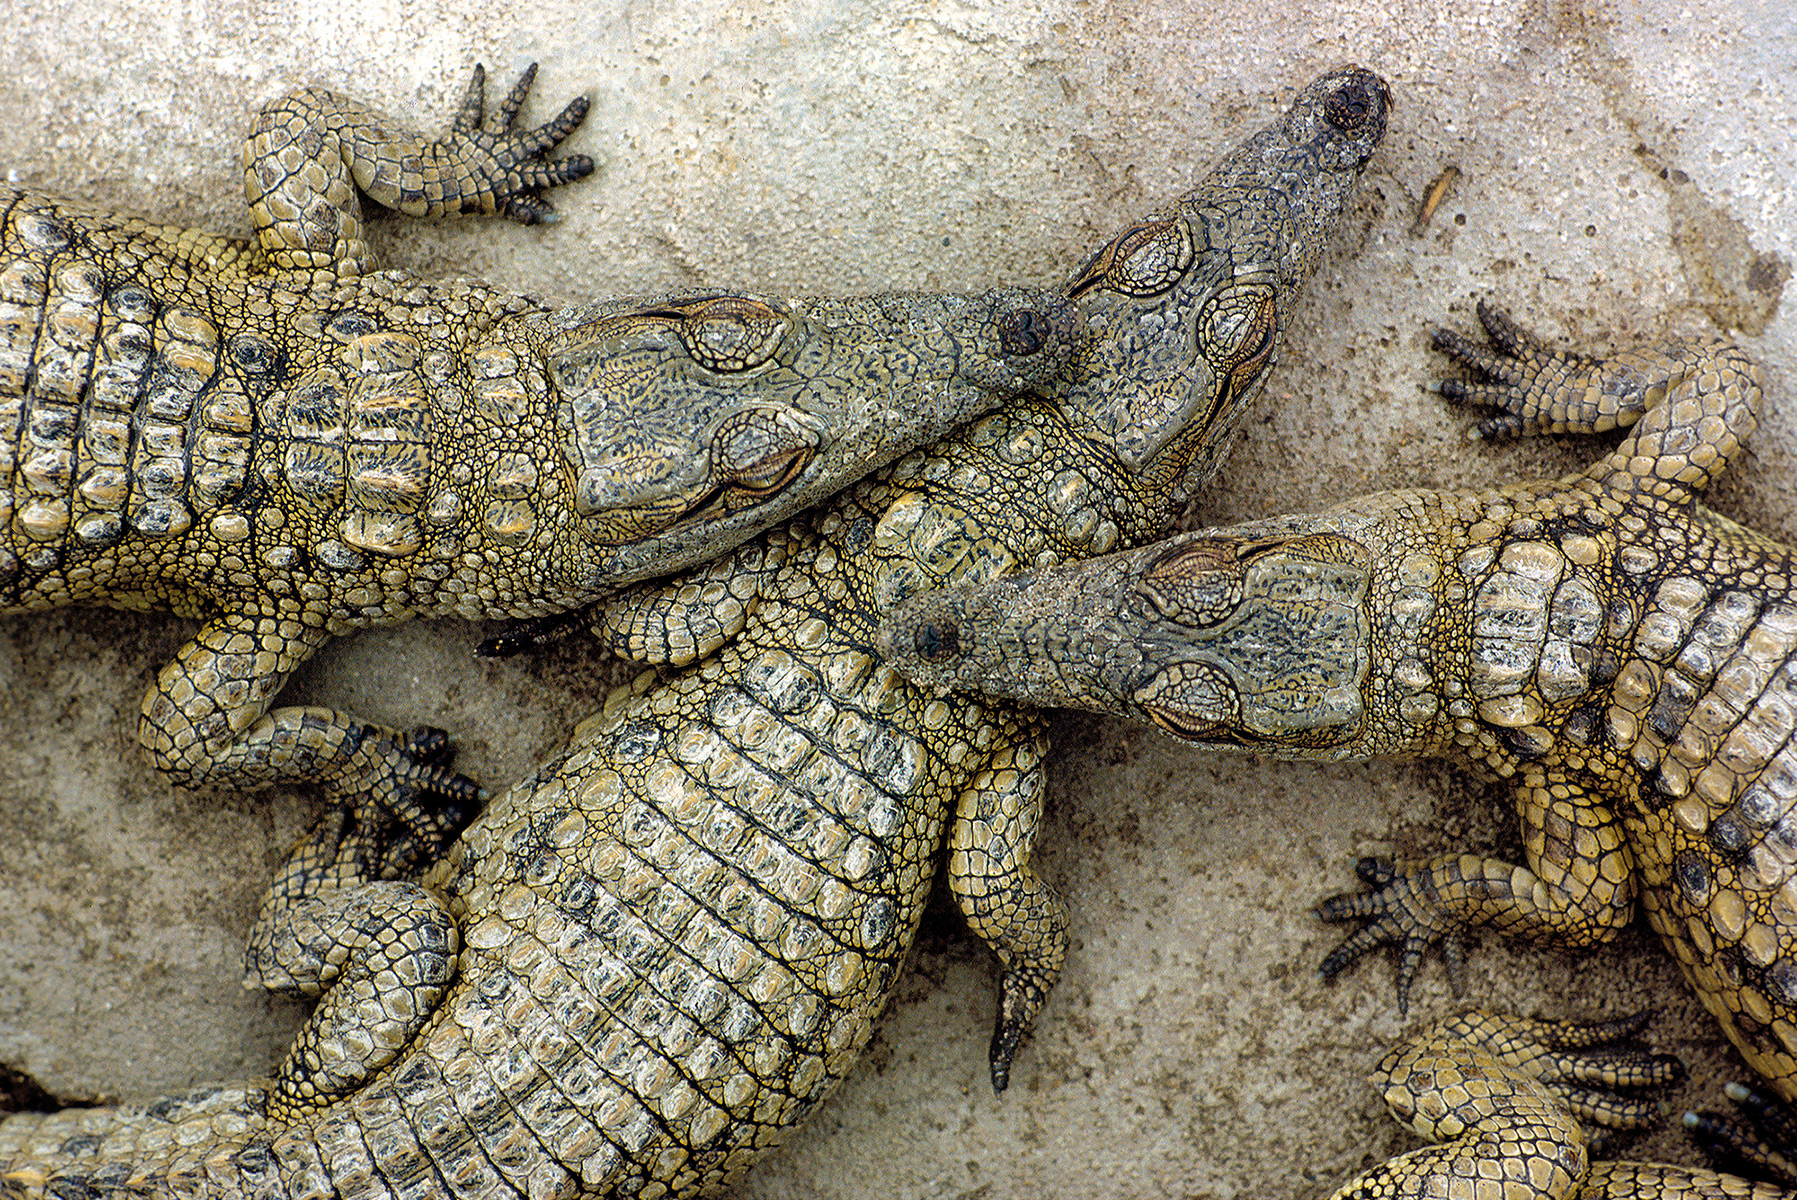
x: 520, y: 173
x: 1761, y: 1141
x: 1503, y: 330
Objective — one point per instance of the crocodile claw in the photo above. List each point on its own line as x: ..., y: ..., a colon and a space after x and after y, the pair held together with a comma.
x: 1760, y: 1140
x: 430, y: 746
x: 1395, y: 913
x: 513, y: 163
x: 428, y: 801
x: 1022, y: 993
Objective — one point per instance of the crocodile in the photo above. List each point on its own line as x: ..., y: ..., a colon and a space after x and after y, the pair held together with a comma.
x: 282, y: 441
x: 1518, y: 1106
x: 641, y: 967
x: 1623, y: 656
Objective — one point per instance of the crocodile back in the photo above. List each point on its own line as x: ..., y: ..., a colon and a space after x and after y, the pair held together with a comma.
x: 1704, y: 708
x: 177, y: 427
x: 1635, y: 675
x: 107, y: 344
x: 182, y: 428
x: 701, y: 908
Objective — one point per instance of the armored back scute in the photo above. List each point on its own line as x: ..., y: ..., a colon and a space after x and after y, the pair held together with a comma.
x: 117, y: 415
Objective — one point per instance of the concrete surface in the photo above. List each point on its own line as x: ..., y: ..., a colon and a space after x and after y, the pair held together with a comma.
x: 1625, y: 169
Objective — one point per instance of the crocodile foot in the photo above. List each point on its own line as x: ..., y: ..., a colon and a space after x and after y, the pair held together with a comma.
x: 1516, y: 1106
x: 1397, y: 911
x: 1760, y: 1141
x: 513, y: 164
x: 1597, y: 1070
x: 531, y: 634
x: 414, y: 789
x: 1528, y: 381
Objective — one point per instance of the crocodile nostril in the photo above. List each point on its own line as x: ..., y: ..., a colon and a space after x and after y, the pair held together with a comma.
x: 1019, y: 333
x: 936, y: 642
x: 1347, y: 108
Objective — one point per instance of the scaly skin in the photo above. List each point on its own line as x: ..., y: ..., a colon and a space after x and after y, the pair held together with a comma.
x: 640, y: 968
x: 1624, y: 656
x: 278, y: 440
x: 1510, y: 1101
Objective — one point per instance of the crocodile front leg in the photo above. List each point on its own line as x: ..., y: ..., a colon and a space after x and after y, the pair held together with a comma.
x: 308, y: 153
x: 1578, y: 888
x: 1515, y: 1104
x: 680, y: 623
x: 1696, y: 401
x: 1006, y: 903
x: 207, y: 721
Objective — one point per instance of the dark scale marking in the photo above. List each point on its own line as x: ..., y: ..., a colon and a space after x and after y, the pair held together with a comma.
x: 1679, y: 694
x: 860, y: 535
x: 1693, y: 875
x: 1758, y: 807
x: 636, y: 741
x: 1782, y: 836
x: 579, y: 893
x: 1730, y: 835
x: 255, y: 355
x: 1584, y: 722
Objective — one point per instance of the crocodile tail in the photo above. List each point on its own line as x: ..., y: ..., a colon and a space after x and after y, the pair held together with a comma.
x: 207, y: 1143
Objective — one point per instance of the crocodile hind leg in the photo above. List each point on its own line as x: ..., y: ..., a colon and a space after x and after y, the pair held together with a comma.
x: 1517, y: 1104
x: 308, y: 154
x: 379, y: 954
x: 1700, y: 401
x: 207, y: 720
x: 1578, y: 888
x: 1006, y: 903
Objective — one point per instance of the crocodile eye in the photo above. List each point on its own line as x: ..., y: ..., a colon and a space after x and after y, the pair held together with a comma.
x: 1183, y: 726
x: 936, y: 641
x: 1237, y: 331
x: 1196, y: 584
x: 1191, y: 700
x: 1144, y: 260
x: 768, y: 475
x: 760, y: 450
x: 733, y: 333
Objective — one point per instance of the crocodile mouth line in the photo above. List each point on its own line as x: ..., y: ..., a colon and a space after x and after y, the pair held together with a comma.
x: 716, y: 503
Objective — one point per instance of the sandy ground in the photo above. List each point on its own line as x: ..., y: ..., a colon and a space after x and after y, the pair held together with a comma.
x: 1625, y: 169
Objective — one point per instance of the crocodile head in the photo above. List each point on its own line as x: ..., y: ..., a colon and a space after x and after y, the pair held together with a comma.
x: 690, y: 424
x: 1245, y: 638
x: 1185, y: 309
